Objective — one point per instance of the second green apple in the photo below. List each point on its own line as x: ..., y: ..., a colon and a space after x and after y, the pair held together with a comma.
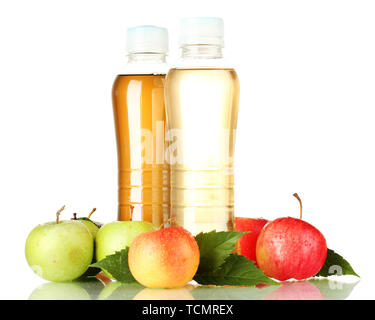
x: 118, y: 235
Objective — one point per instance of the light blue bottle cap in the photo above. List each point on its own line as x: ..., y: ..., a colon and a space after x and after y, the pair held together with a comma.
x: 147, y: 39
x: 202, y: 30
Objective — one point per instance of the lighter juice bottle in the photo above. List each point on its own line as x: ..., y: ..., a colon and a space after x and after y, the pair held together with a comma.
x: 139, y: 113
x: 202, y: 95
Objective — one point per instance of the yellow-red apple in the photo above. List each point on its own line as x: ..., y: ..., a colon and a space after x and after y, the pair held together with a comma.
x: 166, y: 258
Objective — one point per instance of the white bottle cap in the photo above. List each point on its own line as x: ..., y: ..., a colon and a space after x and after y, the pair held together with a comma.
x: 202, y: 30
x: 147, y: 39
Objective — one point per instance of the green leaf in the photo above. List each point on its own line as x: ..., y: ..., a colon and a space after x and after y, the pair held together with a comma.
x: 214, y: 247
x: 117, y: 266
x: 235, y: 271
x: 219, y: 267
x: 335, y: 265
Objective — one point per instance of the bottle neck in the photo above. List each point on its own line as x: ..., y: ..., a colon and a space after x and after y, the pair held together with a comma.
x: 147, y: 58
x: 202, y: 52
x: 146, y: 63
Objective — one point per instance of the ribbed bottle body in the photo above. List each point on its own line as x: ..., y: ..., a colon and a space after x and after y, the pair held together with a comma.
x: 202, y: 108
x: 139, y: 112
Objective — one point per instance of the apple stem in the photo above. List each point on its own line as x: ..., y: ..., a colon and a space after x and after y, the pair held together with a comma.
x: 92, y: 211
x: 103, y: 278
x: 166, y: 221
x: 58, y: 214
x: 131, y: 212
x: 300, y: 204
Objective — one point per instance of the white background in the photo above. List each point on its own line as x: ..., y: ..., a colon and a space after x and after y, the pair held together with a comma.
x: 306, y: 120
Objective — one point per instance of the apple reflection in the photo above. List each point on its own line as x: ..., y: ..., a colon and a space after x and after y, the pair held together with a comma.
x: 300, y: 290
x: 313, y: 289
x: 75, y: 290
x: 59, y: 291
x: 164, y: 294
x: 116, y: 290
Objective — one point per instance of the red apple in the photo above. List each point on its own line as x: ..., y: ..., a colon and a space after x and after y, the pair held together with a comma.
x: 290, y: 248
x: 166, y: 258
x: 247, y: 243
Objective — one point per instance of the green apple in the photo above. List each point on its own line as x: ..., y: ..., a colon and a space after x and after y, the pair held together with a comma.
x: 93, y: 226
x: 60, y: 251
x: 118, y: 235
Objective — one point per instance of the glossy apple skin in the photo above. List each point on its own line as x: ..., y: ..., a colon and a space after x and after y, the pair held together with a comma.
x: 290, y: 248
x: 60, y: 252
x: 246, y: 245
x: 167, y: 258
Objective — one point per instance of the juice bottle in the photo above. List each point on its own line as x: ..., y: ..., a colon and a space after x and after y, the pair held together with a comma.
x: 139, y: 113
x: 202, y: 94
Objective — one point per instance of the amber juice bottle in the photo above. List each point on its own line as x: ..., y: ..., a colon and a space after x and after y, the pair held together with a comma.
x: 139, y: 113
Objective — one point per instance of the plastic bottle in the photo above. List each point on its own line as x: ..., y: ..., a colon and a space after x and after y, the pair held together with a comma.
x: 202, y: 94
x: 139, y: 113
